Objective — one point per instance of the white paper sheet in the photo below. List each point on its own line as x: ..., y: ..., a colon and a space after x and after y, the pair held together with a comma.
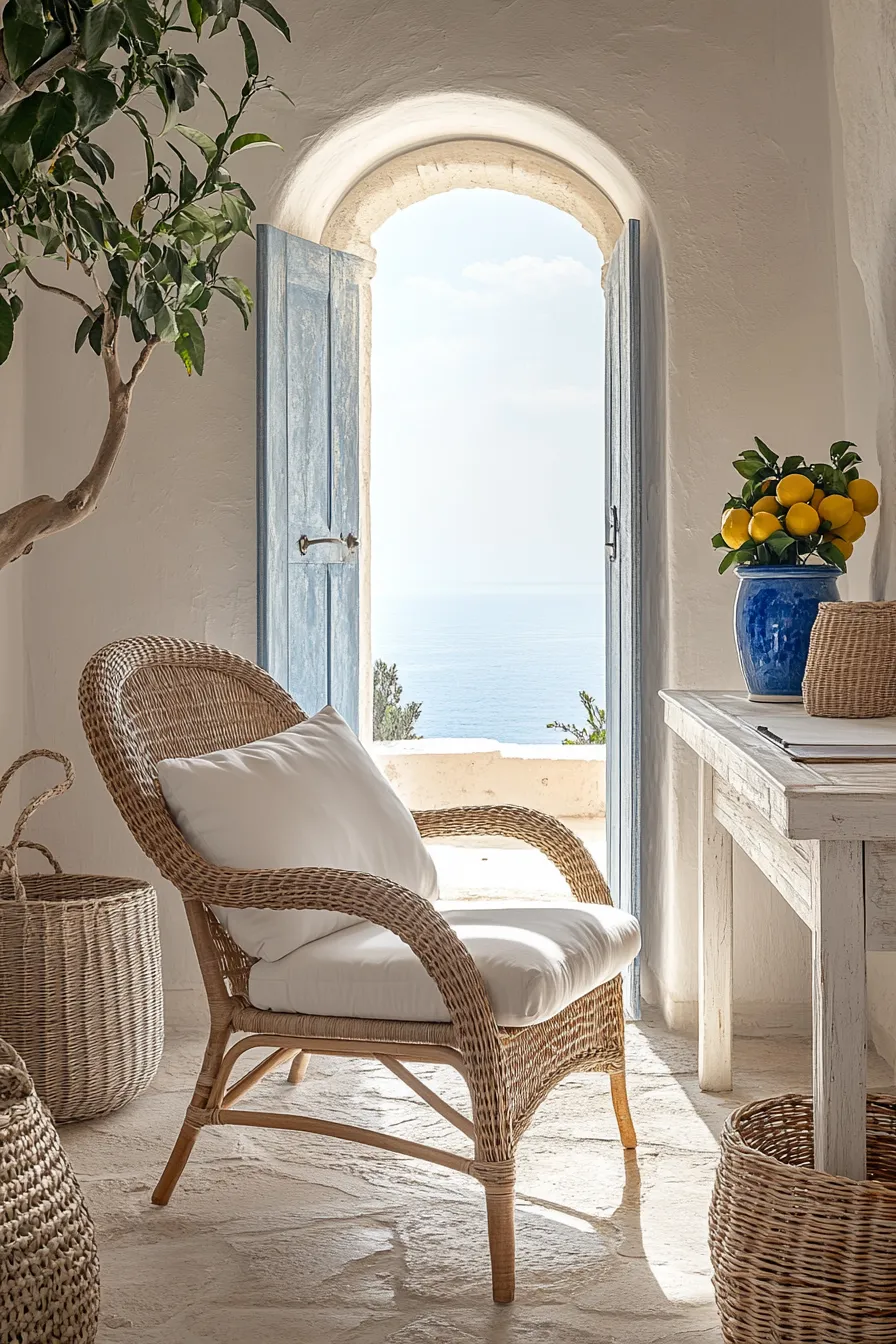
x: 796, y: 726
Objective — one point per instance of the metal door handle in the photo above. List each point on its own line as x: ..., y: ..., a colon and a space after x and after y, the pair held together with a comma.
x: 350, y: 542
x: 610, y: 544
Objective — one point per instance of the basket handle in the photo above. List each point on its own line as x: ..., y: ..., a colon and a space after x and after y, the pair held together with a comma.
x: 9, y: 853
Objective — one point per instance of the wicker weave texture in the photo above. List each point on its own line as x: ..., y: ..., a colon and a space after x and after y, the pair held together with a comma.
x: 144, y: 699
x: 851, y: 668
x: 49, y: 1270
x: 799, y: 1256
x: 80, y: 983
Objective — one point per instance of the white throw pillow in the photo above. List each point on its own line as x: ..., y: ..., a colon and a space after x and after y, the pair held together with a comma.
x: 311, y: 797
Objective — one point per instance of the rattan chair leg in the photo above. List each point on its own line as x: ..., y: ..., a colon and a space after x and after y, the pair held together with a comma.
x: 299, y: 1066
x: 623, y: 1115
x: 180, y: 1154
x: 501, y: 1241
x: 189, y: 1133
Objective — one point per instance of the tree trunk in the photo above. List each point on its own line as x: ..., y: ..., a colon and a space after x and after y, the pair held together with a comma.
x: 25, y: 523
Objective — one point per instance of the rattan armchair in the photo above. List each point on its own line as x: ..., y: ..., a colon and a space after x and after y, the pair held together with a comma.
x: 146, y: 699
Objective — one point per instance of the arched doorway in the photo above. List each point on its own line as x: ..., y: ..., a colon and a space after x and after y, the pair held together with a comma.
x: 350, y: 182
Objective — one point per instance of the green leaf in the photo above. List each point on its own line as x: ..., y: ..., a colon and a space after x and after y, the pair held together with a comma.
x: 267, y: 11
x: 7, y: 325
x: 84, y: 330
x: 744, y: 468
x: 719, y: 542
x: 193, y: 336
x: 142, y: 20
x: 102, y: 24
x: 166, y: 324
x: 250, y: 49
x: 238, y: 293
x: 23, y: 38
x: 94, y: 95
x: 252, y: 138
x: 728, y: 560
x: 780, y: 543
x: 17, y: 124
x: 770, y: 457
x: 197, y: 15
x: 839, y: 448
x: 198, y: 138
x: 792, y: 463
x: 89, y: 218
x: 96, y: 159
x: 829, y: 552
x: 95, y: 336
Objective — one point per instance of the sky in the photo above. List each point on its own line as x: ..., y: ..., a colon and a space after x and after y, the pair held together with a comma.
x: 487, y: 412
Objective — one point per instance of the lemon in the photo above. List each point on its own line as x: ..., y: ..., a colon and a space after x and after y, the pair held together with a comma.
x: 795, y: 489
x: 735, y: 524
x: 816, y: 499
x: 852, y: 530
x: 836, y: 510
x: 762, y: 525
x: 864, y: 495
x: 843, y: 546
x: 801, y: 520
x: 767, y: 504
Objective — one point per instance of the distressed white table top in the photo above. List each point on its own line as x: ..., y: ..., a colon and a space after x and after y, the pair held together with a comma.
x: 838, y: 800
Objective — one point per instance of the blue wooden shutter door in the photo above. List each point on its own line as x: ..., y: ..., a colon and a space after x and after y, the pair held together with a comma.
x: 308, y: 484
x: 623, y: 641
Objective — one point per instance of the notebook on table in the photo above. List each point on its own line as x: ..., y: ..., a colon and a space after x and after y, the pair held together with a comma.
x: 813, y: 740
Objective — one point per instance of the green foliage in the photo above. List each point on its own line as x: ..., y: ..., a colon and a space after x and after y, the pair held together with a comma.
x: 392, y: 721
x: 67, y: 69
x: 760, y: 465
x: 595, y: 731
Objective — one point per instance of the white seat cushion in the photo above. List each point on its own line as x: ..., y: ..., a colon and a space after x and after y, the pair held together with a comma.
x: 311, y: 797
x: 534, y: 958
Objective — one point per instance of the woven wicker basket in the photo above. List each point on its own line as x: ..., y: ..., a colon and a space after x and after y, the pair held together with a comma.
x: 80, y: 977
x: 49, y: 1272
x: 851, y: 668
x: 801, y: 1257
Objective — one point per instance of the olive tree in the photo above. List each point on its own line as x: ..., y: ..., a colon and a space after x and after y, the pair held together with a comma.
x: 143, y: 269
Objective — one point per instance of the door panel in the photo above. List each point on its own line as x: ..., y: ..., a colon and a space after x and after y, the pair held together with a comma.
x: 623, y: 569
x: 308, y: 488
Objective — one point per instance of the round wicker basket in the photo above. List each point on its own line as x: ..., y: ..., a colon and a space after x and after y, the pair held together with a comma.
x: 49, y: 1271
x: 851, y: 668
x: 80, y: 978
x: 799, y: 1256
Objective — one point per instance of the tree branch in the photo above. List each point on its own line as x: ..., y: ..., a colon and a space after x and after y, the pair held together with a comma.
x: 11, y: 92
x: 42, y: 516
x: 142, y: 359
x: 65, y: 293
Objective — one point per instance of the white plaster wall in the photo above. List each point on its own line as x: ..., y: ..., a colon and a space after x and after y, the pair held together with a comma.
x: 863, y: 99
x: 718, y: 113
x: 472, y: 772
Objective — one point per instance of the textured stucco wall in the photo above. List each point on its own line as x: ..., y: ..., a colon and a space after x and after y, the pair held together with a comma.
x: 719, y: 114
x: 863, y: 75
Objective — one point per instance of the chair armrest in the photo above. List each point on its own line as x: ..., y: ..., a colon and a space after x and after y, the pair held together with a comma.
x: 556, y: 841
x: 412, y: 918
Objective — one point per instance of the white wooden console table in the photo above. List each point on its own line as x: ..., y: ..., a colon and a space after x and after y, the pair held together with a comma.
x: 825, y: 837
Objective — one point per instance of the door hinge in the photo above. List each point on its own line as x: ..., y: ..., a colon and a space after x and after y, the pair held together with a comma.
x: 611, y: 543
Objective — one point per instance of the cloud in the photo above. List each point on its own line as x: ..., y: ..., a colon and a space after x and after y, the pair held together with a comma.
x: 433, y: 287
x: 531, y: 275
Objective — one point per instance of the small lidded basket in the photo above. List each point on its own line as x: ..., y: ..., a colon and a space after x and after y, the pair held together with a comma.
x: 851, y: 668
x: 80, y: 975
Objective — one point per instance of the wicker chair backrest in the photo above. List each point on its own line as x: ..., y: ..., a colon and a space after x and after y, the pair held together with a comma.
x: 145, y: 699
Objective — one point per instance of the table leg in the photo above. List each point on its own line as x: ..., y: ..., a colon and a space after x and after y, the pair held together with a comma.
x: 839, y: 1007
x: 715, y: 937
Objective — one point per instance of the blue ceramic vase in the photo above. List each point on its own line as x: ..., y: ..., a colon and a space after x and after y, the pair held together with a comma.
x: 774, y: 612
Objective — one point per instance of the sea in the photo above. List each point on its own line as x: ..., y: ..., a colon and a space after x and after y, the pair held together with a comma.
x: 495, y: 662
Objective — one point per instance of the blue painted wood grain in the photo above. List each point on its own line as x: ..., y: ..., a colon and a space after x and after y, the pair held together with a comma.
x: 308, y: 391
x: 623, y: 633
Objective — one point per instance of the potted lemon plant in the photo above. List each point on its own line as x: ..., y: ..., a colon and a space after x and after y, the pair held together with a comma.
x: 789, y: 535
